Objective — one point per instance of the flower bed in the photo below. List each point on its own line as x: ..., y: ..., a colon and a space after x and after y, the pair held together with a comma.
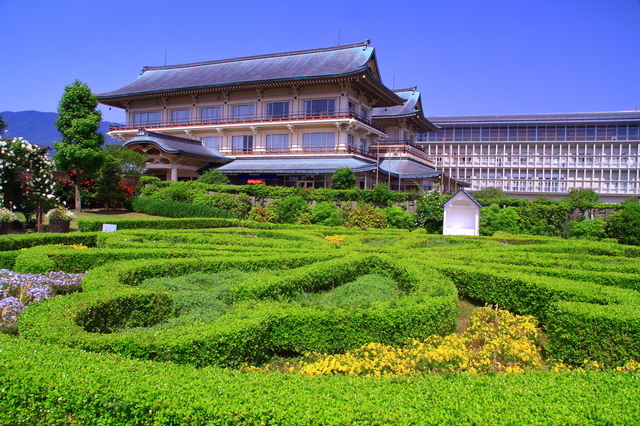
x: 19, y: 290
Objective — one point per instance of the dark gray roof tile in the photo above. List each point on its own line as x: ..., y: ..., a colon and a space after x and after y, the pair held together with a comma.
x: 326, y: 62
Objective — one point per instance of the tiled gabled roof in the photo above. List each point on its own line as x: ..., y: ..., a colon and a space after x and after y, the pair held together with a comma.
x: 176, y: 145
x: 410, y: 109
x: 331, y: 62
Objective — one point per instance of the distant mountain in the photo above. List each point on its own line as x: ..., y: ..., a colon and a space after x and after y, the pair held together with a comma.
x: 39, y: 128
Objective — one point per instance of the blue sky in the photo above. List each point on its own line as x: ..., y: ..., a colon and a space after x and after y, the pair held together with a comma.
x: 465, y: 56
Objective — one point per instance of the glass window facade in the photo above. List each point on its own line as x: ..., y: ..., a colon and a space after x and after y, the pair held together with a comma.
x: 277, y: 142
x: 278, y: 109
x: 319, y: 107
x: 242, y: 143
x: 180, y: 115
x: 146, y: 117
x: 210, y: 113
x: 540, y: 158
x: 538, y: 133
x: 320, y: 141
x: 211, y: 141
x: 243, y: 111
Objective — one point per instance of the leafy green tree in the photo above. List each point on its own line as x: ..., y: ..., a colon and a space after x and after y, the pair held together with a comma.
x: 429, y: 212
x: 624, y: 225
x: 543, y: 217
x: 3, y: 126
x: 214, y: 177
x: 107, y: 184
x: 381, y: 195
x: 490, y: 195
x: 78, y: 121
x: 131, y: 163
x: 582, y: 198
x: 494, y: 219
x: 343, y: 179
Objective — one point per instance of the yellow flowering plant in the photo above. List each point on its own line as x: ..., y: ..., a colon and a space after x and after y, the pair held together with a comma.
x: 496, y: 341
x: 335, y: 239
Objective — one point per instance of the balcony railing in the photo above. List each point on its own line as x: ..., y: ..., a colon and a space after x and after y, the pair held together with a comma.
x: 254, y: 119
x: 299, y: 150
x: 400, y: 145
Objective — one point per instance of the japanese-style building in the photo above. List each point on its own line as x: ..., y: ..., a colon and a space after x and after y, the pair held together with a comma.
x: 287, y: 119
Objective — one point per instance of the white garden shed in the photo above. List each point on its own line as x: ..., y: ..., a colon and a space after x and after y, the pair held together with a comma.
x: 461, y: 215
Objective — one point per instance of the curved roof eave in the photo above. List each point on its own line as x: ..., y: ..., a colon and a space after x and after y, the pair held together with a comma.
x: 388, y: 97
x: 106, y: 96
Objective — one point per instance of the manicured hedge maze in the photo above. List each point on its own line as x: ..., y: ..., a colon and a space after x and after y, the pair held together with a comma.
x: 94, y: 357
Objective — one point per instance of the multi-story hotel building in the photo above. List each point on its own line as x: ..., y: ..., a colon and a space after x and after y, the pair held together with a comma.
x: 535, y: 155
x: 289, y: 118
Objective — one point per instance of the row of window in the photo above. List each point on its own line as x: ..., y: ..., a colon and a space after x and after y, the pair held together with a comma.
x: 551, y: 186
x: 275, y: 142
x: 563, y: 161
x: 274, y: 110
x: 320, y: 141
x: 600, y: 132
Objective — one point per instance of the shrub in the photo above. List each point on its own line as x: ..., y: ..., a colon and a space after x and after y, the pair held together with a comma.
x: 326, y: 214
x: 183, y: 192
x: 288, y: 209
x: 343, y: 179
x: 366, y: 217
x: 494, y: 219
x: 381, y: 195
x: 399, y: 218
x: 214, y: 177
x: 429, y: 212
x: 237, y: 205
x: 588, y: 229
x: 261, y: 214
x: 147, y: 180
x: 624, y: 225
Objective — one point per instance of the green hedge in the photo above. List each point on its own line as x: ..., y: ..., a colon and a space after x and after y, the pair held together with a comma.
x: 253, y: 331
x: 20, y: 241
x: 186, y: 223
x: 42, y: 381
x: 160, y: 244
x: 579, y: 316
x: 175, y: 209
x: 52, y: 385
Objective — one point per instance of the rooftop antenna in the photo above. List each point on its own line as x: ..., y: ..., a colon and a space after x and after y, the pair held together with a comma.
x: 338, y: 34
x: 165, y: 57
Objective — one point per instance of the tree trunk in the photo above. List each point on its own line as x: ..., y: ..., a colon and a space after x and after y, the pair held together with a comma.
x: 78, y: 201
